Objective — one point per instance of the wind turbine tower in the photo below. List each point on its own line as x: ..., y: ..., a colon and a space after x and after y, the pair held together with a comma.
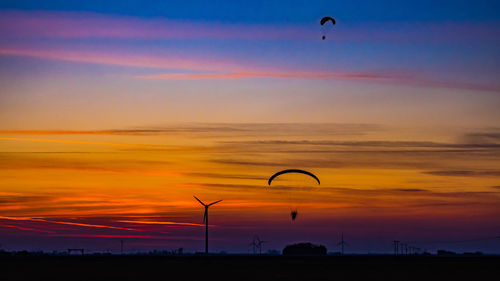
x: 342, y: 243
x: 205, y: 220
x: 396, y: 246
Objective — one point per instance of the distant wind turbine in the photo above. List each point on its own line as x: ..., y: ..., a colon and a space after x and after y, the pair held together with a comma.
x: 342, y: 243
x: 257, y: 243
x: 205, y: 220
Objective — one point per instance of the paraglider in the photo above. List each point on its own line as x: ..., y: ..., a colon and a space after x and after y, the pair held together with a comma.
x: 293, y: 212
x: 324, y: 21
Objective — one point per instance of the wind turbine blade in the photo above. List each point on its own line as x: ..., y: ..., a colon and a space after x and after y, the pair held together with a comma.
x: 214, y: 203
x: 205, y: 216
x: 198, y: 200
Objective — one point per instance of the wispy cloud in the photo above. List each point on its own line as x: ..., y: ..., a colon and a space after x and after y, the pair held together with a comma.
x: 39, y: 24
x: 64, y: 222
x: 122, y: 58
x: 51, y: 24
x: 161, y: 222
x: 219, y: 129
x: 465, y: 173
x: 108, y: 236
x: 73, y: 141
x: 286, y: 75
x: 26, y: 228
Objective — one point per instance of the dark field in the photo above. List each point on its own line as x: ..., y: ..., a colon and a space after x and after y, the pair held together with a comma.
x: 249, y: 268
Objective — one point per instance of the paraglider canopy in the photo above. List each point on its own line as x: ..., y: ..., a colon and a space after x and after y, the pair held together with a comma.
x: 325, y: 19
x: 292, y: 171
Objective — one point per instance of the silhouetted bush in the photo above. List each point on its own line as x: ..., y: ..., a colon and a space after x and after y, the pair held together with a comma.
x: 304, y: 249
x: 446, y: 253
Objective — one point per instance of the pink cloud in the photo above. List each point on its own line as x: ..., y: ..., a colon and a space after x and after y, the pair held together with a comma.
x: 121, y: 58
x: 228, y: 69
x: 398, y: 79
x: 43, y: 24
x: 21, y: 24
x: 107, y: 236
x: 162, y: 223
x: 241, y: 75
x: 25, y: 228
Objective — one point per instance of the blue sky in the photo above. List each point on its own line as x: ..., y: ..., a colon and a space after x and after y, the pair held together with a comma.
x: 279, y: 11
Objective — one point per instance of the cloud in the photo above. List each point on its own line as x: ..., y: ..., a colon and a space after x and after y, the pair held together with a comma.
x: 383, y: 144
x: 465, y: 173
x: 226, y: 176
x: 373, y: 77
x: 26, y: 228
x: 491, y: 137
x: 126, y: 59
x: 410, y: 190
x: 16, y: 199
x: 286, y: 75
x: 161, y: 222
x: 34, y: 219
x: 108, y: 236
x: 74, y: 142
x: 232, y: 129
x: 67, y: 25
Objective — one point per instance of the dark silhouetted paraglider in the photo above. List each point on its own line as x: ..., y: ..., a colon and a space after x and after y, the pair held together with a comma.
x: 294, y: 212
x: 324, y: 21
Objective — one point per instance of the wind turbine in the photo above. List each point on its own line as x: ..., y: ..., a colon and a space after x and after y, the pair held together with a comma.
x: 205, y: 220
x: 257, y: 243
x: 342, y: 243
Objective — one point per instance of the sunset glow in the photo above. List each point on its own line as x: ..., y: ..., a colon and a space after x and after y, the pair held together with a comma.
x: 111, y: 120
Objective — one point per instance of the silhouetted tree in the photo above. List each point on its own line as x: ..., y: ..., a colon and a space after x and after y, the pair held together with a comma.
x: 304, y: 249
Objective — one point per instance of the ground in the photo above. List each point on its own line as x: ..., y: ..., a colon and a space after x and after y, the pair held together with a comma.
x: 233, y: 267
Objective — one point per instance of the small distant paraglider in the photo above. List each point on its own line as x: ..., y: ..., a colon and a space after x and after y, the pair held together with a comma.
x: 294, y: 212
x: 324, y: 21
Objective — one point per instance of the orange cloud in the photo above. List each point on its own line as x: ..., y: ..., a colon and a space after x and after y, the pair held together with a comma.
x: 75, y: 141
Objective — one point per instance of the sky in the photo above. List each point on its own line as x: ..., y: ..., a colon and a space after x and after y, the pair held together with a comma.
x: 114, y: 114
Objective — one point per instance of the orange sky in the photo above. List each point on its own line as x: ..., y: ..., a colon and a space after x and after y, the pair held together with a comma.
x: 138, y: 184
x: 113, y: 114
